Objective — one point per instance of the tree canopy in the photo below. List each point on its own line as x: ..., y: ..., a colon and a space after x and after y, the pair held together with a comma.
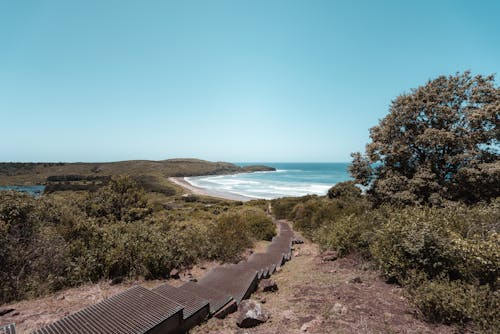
x: 439, y: 142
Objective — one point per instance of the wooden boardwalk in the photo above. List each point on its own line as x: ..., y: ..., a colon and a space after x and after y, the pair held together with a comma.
x: 168, y: 309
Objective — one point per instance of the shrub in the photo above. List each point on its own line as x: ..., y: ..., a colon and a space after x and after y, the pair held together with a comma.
x: 135, y: 249
x: 344, y: 189
x: 187, y: 242
x: 411, y: 239
x: 259, y: 225
x: 121, y: 200
x: 316, y: 212
x: 33, y: 255
x: 442, y: 300
x: 229, y: 236
x: 282, y: 208
x: 347, y: 234
x: 439, y: 241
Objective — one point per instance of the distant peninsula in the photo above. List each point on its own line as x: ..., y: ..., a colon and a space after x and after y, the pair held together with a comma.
x: 13, y: 173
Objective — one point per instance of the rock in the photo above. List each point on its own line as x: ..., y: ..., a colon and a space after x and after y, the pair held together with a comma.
x: 251, y: 314
x: 356, y: 279
x: 289, y: 315
x: 268, y: 285
x: 5, y: 311
x: 174, y: 273
x: 296, y: 254
x: 312, y: 325
x: 193, y: 280
x: 60, y: 297
x: 329, y: 256
x: 297, y: 241
x: 339, y: 309
x: 116, y: 280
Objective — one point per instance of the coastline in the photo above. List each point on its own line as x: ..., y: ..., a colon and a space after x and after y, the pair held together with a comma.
x: 181, y: 181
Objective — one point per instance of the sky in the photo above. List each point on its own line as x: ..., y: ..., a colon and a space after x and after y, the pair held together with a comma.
x: 261, y: 81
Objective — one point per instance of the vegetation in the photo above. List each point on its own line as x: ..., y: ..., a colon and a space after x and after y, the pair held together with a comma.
x: 438, y: 143
x: 448, y: 258
x: 119, y: 230
x: 430, y: 220
x: 41, y: 173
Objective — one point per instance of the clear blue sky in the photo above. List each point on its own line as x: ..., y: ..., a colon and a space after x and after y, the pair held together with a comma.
x: 222, y: 80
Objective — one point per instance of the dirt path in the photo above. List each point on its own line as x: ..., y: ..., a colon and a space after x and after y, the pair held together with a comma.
x: 340, y: 296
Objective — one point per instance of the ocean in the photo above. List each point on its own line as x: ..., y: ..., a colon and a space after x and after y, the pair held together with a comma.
x: 289, y: 179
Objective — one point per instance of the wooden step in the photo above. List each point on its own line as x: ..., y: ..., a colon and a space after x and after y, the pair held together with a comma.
x: 135, y: 311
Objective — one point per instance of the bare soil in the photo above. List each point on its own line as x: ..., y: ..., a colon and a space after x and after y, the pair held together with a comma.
x: 342, y: 296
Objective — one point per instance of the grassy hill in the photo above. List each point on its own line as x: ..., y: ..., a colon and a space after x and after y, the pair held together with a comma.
x: 37, y: 173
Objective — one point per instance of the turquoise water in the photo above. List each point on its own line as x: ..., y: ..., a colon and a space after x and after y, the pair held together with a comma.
x: 32, y: 190
x: 290, y: 179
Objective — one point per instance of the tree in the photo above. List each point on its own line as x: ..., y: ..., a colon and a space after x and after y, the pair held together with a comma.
x: 121, y: 200
x: 439, y: 142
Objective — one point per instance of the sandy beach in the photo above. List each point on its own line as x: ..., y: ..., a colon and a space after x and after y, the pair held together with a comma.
x: 181, y: 181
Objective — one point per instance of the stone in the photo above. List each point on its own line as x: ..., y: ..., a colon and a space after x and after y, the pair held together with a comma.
x: 297, y: 241
x: 174, y: 273
x: 339, y: 309
x: 356, y: 279
x: 329, y: 256
x: 312, y: 325
x: 251, y: 314
x: 116, y: 280
x: 268, y: 285
x: 289, y: 315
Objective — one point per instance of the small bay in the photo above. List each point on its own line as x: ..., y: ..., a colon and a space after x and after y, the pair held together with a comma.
x: 289, y: 179
x: 35, y: 190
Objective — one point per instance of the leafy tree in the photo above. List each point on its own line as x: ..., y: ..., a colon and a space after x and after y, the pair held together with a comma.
x: 439, y: 142
x: 121, y: 200
x: 344, y: 189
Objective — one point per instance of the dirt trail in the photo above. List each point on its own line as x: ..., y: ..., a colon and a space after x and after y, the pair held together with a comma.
x: 342, y: 296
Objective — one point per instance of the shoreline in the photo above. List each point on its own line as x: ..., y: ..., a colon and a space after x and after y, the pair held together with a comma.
x: 181, y: 181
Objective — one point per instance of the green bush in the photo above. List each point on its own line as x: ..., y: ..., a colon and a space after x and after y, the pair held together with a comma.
x: 346, y: 234
x: 315, y: 212
x: 412, y: 239
x: 33, y: 255
x: 121, y: 200
x: 442, y: 300
x: 282, y: 208
x: 259, y: 225
x: 229, y: 237
x: 135, y: 249
x: 344, y: 190
x: 187, y: 242
x: 439, y: 241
